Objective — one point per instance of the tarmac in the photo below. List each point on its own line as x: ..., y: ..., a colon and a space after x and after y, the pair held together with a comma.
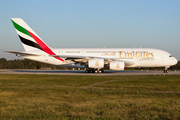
x: 81, y: 72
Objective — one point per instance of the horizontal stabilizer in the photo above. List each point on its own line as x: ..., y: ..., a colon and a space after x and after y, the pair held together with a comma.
x: 22, y: 53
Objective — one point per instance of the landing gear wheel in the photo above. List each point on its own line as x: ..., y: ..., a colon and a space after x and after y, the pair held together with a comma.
x: 94, y: 71
x: 165, y: 71
x: 87, y: 71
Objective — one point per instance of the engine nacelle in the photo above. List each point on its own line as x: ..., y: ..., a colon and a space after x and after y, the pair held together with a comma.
x: 96, y: 63
x: 116, y: 65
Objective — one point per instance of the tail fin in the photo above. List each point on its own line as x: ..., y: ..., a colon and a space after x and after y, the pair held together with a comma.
x: 27, y: 36
x: 30, y: 40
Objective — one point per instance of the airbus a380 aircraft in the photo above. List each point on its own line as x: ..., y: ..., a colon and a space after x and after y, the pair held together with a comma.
x: 94, y: 59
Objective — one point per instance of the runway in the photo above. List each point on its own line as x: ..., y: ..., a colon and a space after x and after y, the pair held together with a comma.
x: 81, y: 72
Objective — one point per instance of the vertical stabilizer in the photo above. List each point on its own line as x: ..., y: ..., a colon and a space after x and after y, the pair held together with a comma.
x: 26, y: 35
x: 30, y: 40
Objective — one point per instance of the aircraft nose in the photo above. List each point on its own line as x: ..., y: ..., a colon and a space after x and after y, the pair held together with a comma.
x: 175, y: 61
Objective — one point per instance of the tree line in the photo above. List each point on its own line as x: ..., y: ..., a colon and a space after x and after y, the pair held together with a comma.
x: 25, y: 64
x: 29, y: 64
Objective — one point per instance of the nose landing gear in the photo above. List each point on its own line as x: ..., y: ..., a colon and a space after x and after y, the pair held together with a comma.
x: 166, y: 69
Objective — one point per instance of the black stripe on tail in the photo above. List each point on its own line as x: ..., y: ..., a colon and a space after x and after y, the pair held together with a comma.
x: 30, y: 43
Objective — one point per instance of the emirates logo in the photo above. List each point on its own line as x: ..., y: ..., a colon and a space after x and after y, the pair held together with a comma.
x: 97, y: 63
x: 118, y: 66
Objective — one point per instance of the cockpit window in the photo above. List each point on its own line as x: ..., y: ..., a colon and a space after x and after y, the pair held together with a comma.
x: 170, y: 56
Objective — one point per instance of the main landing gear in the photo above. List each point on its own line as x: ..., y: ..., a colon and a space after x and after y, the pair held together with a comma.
x: 94, y: 71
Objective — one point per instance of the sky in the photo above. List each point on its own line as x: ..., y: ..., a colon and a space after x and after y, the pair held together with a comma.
x: 94, y: 24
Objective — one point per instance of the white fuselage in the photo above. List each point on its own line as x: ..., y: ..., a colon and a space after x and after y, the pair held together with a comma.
x: 137, y: 57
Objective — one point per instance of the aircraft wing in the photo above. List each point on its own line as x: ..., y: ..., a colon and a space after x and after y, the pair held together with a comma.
x: 84, y: 59
x: 70, y: 56
x: 22, y: 53
x: 74, y: 57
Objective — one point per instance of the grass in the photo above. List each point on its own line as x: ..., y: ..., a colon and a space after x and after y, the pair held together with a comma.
x: 89, y: 97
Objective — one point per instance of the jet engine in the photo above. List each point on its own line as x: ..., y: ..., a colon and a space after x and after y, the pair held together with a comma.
x: 116, y: 65
x: 96, y: 63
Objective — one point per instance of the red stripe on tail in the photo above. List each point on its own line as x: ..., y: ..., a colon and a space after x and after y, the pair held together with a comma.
x: 44, y: 46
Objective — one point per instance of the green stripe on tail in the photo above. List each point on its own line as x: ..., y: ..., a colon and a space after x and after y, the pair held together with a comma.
x: 21, y: 29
